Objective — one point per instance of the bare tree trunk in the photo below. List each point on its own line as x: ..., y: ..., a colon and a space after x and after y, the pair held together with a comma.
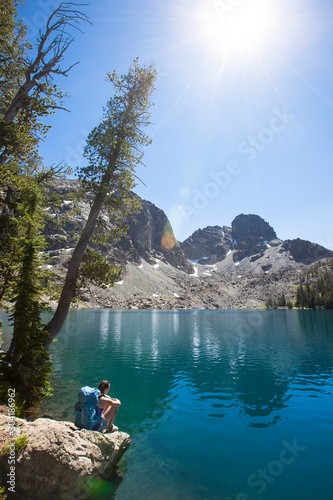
x: 68, y: 291
x: 51, y: 47
x: 16, y: 103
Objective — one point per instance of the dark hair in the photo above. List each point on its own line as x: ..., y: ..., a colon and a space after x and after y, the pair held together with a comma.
x: 104, y: 384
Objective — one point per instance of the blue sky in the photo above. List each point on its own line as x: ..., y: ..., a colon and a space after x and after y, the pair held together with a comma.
x: 243, y: 113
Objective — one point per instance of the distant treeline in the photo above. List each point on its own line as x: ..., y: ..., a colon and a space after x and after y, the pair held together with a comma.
x: 315, y: 289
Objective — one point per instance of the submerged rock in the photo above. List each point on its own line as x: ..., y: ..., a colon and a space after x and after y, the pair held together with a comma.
x: 61, y: 461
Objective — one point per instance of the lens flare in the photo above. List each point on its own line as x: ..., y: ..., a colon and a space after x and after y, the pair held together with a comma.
x: 168, y: 240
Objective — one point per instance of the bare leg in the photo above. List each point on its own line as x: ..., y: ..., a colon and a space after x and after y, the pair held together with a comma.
x: 110, y: 414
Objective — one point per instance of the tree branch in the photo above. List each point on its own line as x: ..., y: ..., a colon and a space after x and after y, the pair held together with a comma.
x: 50, y: 52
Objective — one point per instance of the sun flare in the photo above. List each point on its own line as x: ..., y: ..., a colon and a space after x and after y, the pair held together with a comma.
x: 243, y: 26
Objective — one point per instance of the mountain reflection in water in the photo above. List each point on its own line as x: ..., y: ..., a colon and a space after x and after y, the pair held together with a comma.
x: 208, y: 397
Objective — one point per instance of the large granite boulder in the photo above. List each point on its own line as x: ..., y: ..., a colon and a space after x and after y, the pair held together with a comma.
x: 60, y: 461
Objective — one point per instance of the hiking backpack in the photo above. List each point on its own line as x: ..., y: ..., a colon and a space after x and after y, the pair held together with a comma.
x: 85, y: 415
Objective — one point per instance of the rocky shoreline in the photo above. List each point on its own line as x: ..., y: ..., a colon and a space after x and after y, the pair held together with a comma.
x: 57, y: 460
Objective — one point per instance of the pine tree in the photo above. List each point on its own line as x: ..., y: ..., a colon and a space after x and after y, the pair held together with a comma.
x: 114, y: 149
x: 27, y: 95
x: 300, y: 297
x: 320, y: 293
x: 30, y: 364
x: 281, y: 301
x: 269, y: 303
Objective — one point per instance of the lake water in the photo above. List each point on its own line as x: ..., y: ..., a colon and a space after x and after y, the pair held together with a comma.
x: 227, y: 405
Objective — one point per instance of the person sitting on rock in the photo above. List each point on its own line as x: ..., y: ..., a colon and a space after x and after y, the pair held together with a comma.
x: 107, y: 409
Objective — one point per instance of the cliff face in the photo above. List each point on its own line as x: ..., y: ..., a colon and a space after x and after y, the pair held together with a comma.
x: 150, y: 235
x: 251, y: 234
x: 209, y: 245
x: 305, y: 251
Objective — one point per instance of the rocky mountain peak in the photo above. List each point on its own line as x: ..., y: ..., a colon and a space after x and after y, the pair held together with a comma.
x: 250, y: 234
x: 208, y: 245
x: 306, y: 252
x: 150, y: 236
x: 251, y: 228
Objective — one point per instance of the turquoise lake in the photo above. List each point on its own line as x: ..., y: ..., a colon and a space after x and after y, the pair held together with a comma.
x: 227, y: 405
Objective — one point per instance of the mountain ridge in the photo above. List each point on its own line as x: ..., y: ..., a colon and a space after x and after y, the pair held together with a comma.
x: 216, y: 267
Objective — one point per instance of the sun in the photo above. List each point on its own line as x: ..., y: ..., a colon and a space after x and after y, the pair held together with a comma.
x: 239, y: 26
